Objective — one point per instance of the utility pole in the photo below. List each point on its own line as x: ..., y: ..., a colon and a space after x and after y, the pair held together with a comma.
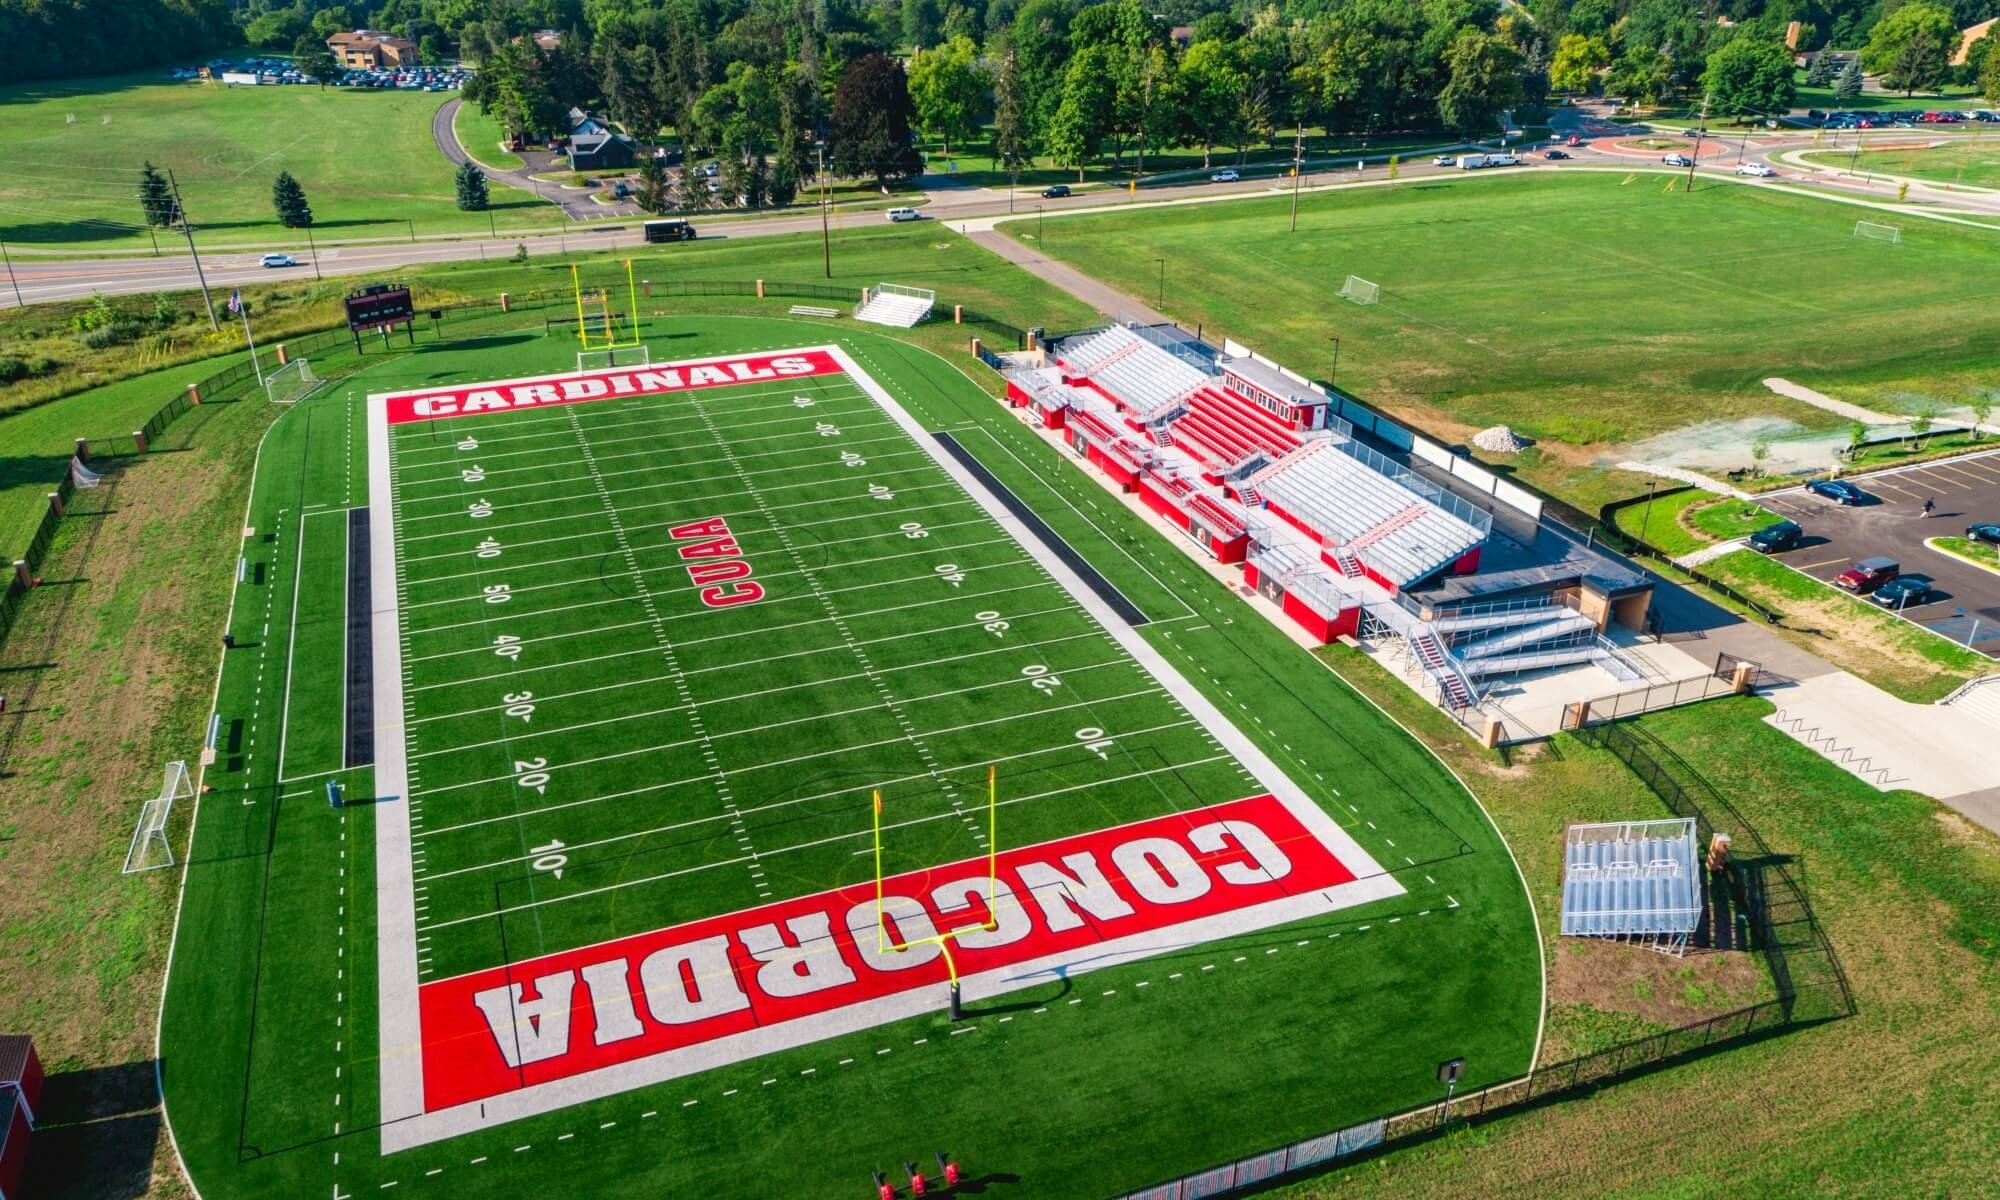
x: 15, y: 283
x: 180, y: 210
x: 1700, y: 129
x: 1298, y: 168
x: 312, y: 248
x: 825, y: 236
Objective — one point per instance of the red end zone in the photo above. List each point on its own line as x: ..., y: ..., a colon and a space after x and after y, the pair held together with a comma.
x: 613, y: 382
x: 549, y: 1018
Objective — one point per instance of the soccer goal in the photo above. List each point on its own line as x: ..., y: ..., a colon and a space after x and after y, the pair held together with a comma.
x: 81, y: 475
x: 149, y: 850
x: 621, y: 356
x: 292, y: 382
x: 1360, y: 290
x: 1893, y: 234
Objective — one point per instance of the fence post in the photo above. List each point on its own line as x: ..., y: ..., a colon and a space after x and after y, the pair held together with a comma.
x: 760, y: 289
x: 976, y: 348
x: 1495, y: 732
x: 83, y: 449
x: 56, y: 504
x: 194, y: 393
x: 958, y: 314
x: 139, y: 439
x: 282, y: 357
x: 1739, y: 680
x: 21, y: 575
x: 506, y: 302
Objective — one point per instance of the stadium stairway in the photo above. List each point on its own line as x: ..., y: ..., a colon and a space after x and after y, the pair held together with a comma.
x: 1454, y: 684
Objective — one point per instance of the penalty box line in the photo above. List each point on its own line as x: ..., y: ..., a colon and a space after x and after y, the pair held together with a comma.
x: 798, y: 847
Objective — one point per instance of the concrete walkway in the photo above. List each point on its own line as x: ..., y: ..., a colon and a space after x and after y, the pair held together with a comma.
x: 1891, y: 743
x: 1683, y: 475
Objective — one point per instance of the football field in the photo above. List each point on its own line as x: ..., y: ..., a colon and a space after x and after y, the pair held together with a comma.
x: 659, y: 654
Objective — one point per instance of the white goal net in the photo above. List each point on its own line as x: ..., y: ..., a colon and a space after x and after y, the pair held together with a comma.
x: 1360, y: 290
x: 623, y: 356
x: 1874, y: 232
x: 81, y: 475
x: 292, y: 382
x: 149, y: 850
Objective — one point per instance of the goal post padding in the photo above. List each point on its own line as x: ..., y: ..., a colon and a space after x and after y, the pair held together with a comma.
x: 1360, y: 291
x: 1876, y: 231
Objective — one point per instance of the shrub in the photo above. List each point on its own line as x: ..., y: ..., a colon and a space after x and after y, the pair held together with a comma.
x: 42, y: 365
x: 12, y: 368
x: 104, y: 336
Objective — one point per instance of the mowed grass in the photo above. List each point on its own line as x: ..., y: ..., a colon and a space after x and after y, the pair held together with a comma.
x: 364, y: 156
x: 1044, y: 1075
x: 1969, y: 160
x: 1584, y: 311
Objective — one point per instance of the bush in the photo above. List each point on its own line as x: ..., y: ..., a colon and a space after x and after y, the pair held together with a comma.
x: 12, y: 369
x: 104, y: 336
x: 41, y: 364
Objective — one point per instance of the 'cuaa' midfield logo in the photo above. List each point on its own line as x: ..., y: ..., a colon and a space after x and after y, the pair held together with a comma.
x: 715, y: 563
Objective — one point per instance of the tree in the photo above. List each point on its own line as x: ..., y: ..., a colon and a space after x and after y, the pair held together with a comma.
x: 1749, y: 76
x: 471, y: 183
x: 922, y: 20
x: 1010, y: 112
x: 1076, y: 131
x: 948, y: 89
x: 1484, y: 81
x: 1848, y: 85
x: 315, y: 61
x: 1759, y: 451
x: 156, y: 197
x: 1889, y: 42
x: 1989, y: 76
x: 1209, y: 86
x: 1919, y: 66
x: 871, y: 122
x: 1982, y: 410
x: 1642, y: 75
x: 784, y: 182
x: 290, y: 201
x: 1857, y: 437
x: 655, y: 191
x: 1920, y: 425
x: 1578, y: 60
x: 1820, y: 73
x: 430, y: 48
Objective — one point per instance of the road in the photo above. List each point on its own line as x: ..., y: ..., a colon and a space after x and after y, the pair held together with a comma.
x: 49, y: 277
x: 577, y: 205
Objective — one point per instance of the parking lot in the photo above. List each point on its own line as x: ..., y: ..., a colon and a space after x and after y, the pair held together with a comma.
x: 1965, y: 604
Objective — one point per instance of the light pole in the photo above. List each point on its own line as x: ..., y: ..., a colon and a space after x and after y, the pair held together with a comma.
x: 1335, y: 377
x: 1646, y: 517
x: 1298, y: 167
x: 825, y: 235
x: 15, y: 283
x: 1039, y: 239
x: 413, y: 230
x: 1161, y: 300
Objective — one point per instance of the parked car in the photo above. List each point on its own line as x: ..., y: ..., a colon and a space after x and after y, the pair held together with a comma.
x: 1867, y: 575
x: 1226, y: 175
x: 1557, y: 154
x: 1055, y: 191
x: 1757, y: 170
x: 1776, y: 539
x: 1678, y: 160
x: 1902, y: 591
x: 278, y: 260
x: 905, y: 214
x: 1572, y: 141
x: 1837, y: 490
x: 1984, y: 532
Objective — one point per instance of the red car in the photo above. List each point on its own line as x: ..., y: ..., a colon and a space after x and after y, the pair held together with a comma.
x: 1573, y: 141
x: 1867, y: 575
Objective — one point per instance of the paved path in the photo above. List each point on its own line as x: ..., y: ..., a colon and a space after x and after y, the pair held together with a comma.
x: 577, y: 205
x: 1684, y: 475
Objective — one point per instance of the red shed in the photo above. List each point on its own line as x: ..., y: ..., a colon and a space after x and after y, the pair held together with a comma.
x: 20, y: 1092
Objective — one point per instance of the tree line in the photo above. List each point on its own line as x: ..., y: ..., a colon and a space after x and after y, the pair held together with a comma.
x: 61, y: 39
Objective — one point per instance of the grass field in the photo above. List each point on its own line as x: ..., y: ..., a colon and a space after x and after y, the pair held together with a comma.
x: 1061, y: 1066
x: 1585, y: 311
x: 1971, y: 160
x: 364, y: 156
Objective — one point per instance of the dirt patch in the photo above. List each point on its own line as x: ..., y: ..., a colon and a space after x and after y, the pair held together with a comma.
x: 1655, y: 987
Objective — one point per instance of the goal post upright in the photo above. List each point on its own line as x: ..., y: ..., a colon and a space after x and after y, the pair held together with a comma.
x: 944, y: 938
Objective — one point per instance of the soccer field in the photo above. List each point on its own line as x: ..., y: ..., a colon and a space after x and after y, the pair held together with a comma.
x: 610, y: 669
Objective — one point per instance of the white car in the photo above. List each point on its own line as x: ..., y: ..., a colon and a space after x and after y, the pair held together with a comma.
x: 278, y: 260
x: 1678, y: 160
x: 1227, y: 175
x: 905, y: 214
x: 1445, y: 160
x: 1758, y: 170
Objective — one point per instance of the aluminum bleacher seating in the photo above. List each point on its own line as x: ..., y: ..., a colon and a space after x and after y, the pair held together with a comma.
x: 1141, y: 376
x: 1364, y: 515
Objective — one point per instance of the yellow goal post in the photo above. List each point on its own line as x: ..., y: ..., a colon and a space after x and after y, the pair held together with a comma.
x: 943, y: 939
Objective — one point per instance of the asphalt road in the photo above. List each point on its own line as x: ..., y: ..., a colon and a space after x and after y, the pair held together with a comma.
x: 1966, y: 490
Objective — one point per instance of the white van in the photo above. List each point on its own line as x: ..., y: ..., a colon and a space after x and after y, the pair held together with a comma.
x: 905, y: 214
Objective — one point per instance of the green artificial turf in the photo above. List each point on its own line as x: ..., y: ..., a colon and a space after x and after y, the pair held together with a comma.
x: 269, y: 1044
x: 1588, y: 312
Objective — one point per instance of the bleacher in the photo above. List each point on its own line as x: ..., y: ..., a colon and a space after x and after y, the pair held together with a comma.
x: 1634, y: 881
x: 1225, y: 431
x: 900, y: 307
x: 1362, y: 515
x: 1140, y: 376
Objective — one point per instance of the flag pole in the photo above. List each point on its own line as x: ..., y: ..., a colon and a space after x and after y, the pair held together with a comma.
x: 243, y: 309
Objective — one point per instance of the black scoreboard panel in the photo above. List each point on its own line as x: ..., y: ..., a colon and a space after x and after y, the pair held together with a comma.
x: 377, y: 306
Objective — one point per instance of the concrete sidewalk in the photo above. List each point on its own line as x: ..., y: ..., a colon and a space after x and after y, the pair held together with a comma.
x: 1893, y: 744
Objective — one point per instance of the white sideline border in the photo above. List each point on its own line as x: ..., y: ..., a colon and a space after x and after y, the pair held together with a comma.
x: 405, y: 1124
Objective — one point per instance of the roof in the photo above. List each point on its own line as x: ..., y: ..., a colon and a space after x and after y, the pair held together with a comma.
x: 591, y: 143
x: 1273, y: 379
x: 15, y: 1049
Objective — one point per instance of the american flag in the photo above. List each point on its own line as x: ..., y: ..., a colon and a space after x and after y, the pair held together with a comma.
x: 235, y: 301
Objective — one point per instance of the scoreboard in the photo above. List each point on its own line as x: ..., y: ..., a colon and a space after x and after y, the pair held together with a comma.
x: 377, y: 305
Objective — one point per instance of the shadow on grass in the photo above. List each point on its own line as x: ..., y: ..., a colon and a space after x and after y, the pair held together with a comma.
x: 96, y: 1133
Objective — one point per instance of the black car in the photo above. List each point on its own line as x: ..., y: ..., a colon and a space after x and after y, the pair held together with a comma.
x: 1902, y: 592
x: 1557, y: 154
x: 1837, y: 490
x: 1776, y: 539
x: 1990, y: 534
x: 1056, y: 191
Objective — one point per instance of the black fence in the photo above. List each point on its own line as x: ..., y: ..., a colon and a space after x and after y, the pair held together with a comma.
x: 1770, y: 889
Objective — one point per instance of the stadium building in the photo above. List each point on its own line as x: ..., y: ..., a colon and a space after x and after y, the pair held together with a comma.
x: 1348, y: 523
